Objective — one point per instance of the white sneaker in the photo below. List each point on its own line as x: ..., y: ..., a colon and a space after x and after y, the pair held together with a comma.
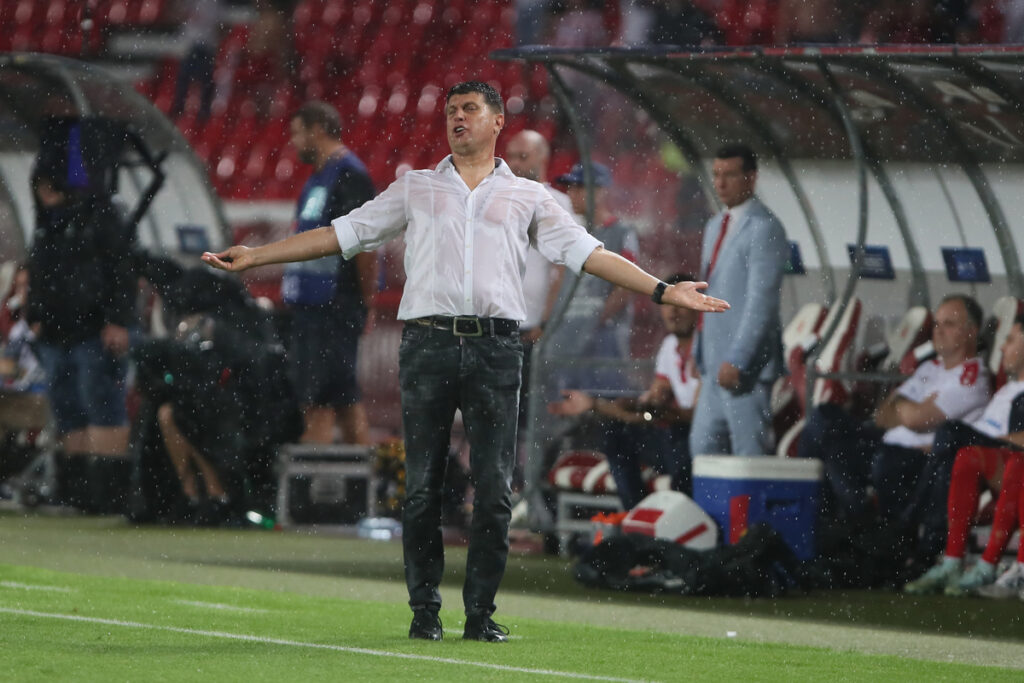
x: 1010, y: 584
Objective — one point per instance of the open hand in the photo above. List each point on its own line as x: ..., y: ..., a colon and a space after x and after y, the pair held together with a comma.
x: 573, y: 403
x: 688, y: 295
x: 234, y: 259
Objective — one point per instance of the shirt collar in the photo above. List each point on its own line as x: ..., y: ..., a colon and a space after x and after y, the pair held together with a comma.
x: 500, y: 167
x: 739, y: 212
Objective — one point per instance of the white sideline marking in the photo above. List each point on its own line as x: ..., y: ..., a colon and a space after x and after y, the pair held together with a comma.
x: 35, y: 587
x: 315, y: 646
x: 219, y: 605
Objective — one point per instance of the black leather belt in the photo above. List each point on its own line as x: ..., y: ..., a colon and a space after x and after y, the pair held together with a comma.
x: 470, y: 326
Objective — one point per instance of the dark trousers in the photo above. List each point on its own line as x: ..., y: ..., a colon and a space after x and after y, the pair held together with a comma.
x: 664, y: 449
x: 846, y: 446
x: 480, y: 376
x: 926, y: 506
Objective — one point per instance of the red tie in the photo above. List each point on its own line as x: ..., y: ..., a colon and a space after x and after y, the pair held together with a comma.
x: 718, y: 246
x: 714, y: 259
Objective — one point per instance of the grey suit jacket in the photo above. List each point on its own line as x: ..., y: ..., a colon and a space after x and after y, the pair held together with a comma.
x: 748, y: 275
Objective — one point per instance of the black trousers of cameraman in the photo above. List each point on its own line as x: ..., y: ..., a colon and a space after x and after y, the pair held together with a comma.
x: 440, y: 372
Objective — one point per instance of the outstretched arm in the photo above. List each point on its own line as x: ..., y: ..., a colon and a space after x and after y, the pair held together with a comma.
x: 303, y: 246
x: 609, y: 266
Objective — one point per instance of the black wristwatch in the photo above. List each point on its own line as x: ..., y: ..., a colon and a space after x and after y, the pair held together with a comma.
x: 659, y: 291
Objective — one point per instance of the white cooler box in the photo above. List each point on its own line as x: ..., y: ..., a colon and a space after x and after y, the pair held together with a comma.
x: 740, y: 491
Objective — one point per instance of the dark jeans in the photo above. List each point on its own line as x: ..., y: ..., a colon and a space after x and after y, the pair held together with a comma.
x: 440, y: 373
x: 86, y: 385
x: 846, y: 446
x: 927, y: 504
x: 665, y: 449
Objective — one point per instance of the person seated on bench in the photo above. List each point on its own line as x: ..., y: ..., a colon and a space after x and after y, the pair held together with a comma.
x: 891, y: 450
x: 654, y: 428
x: 23, y: 404
x: 966, y: 456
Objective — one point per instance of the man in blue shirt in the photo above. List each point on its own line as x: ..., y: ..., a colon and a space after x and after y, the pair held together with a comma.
x: 330, y: 299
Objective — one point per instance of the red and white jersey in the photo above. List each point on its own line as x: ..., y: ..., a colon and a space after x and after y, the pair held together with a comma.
x: 1003, y: 414
x: 675, y: 365
x: 961, y: 393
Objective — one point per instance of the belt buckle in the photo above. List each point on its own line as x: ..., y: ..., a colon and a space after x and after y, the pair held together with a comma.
x: 475, y: 323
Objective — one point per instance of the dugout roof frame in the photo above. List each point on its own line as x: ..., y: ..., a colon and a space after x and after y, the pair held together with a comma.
x: 945, y: 105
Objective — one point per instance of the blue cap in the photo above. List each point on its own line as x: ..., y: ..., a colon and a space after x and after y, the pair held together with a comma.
x: 602, y: 175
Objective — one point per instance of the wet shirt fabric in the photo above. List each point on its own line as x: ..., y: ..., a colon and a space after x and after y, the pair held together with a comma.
x: 340, y: 186
x: 1004, y: 414
x: 537, y: 279
x: 466, y: 250
x: 675, y: 365
x: 961, y: 393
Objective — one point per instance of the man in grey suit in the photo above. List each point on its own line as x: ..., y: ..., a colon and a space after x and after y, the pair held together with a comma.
x: 739, y: 355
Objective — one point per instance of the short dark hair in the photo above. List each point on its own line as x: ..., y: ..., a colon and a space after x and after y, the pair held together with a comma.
x: 679, y: 277
x: 317, y: 113
x: 973, y: 308
x: 491, y: 96
x: 738, y: 149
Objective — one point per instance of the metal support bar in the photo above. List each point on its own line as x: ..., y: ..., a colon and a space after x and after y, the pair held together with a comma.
x: 857, y: 149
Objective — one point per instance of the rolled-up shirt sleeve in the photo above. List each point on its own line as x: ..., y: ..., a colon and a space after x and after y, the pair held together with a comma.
x: 377, y: 221
x: 559, y: 238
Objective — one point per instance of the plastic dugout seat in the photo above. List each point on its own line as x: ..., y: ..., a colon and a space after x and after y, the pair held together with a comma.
x: 151, y: 12
x: 799, y: 335
x: 834, y: 357
x: 585, y: 471
x: 914, y: 330
x: 1004, y: 311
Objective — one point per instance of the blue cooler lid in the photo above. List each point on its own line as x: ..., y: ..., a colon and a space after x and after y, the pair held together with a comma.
x: 757, y: 467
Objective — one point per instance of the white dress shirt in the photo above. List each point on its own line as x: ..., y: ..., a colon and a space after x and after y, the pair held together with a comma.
x: 736, y: 216
x: 538, y: 276
x: 465, y: 250
x: 961, y: 393
x: 677, y: 368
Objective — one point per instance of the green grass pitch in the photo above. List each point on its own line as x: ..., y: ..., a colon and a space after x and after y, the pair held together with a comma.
x: 98, y: 600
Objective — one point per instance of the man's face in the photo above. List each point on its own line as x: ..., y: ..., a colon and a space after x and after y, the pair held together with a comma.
x: 524, y: 158
x: 302, y: 141
x: 47, y: 195
x: 678, y: 320
x: 732, y: 184
x: 1013, y: 352
x: 472, y: 125
x: 578, y: 197
x: 954, y: 334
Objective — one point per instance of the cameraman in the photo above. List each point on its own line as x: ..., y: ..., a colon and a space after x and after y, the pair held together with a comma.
x: 653, y: 428
x: 80, y: 306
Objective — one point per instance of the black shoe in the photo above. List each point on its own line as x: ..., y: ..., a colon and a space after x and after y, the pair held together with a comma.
x: 483, y: 628
x: 426, y: 625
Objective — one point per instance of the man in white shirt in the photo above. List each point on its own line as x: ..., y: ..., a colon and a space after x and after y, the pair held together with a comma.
x: 654, y: 428
x: 891, y: 451
x: 996, y: 438
x: 467, y: 225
